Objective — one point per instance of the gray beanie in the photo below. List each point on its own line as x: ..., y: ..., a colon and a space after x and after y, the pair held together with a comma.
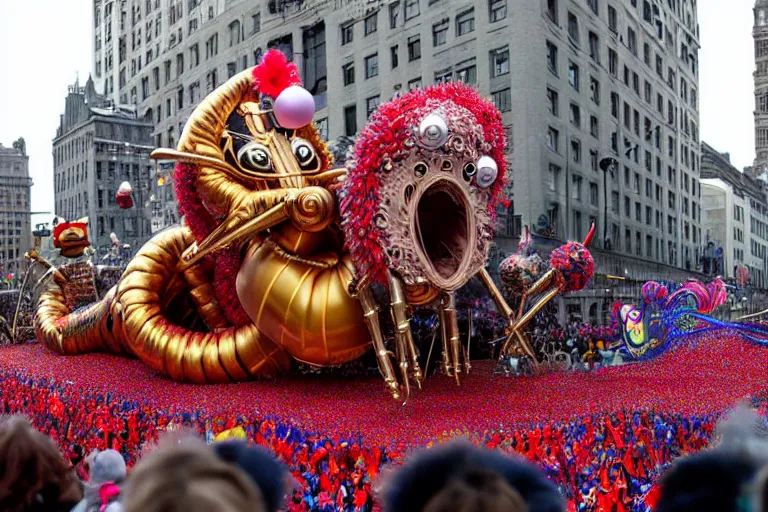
x: 107, y: 466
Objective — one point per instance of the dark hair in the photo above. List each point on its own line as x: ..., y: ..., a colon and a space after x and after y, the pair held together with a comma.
x: 33, y: 473
x: 478, y: 478
x: 266, y: 472
x: 703, y: 482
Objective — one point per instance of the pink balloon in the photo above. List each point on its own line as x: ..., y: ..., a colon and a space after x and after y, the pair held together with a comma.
x: 294, y: 107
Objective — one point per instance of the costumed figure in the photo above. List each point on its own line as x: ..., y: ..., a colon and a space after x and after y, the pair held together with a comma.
x: 278, y: 251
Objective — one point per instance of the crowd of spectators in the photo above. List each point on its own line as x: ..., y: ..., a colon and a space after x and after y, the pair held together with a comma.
x: 597, y: 462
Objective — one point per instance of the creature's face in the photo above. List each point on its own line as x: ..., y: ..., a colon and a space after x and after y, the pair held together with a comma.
x: 71, y: 238
x: 435, y: 216
x: 267, y: 155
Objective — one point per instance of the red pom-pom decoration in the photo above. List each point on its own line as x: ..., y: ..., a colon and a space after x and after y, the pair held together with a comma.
x: 275, y: 74
x: 576, y: 265
x: 123, y: 197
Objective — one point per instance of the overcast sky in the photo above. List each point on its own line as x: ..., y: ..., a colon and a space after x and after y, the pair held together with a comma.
x: 46, y: 43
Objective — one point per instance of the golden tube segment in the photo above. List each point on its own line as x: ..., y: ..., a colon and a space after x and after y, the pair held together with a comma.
x: 371, y: 315
x: 451, y: 339
x: 201, y: 357
x: 541, y: 284
x: 520, y: 324
x: 403, y: 334
x: 496, y: 295
x: 304, y: 308
x: 444, y: 337
x: 204, y: 296
x: 64, y: 332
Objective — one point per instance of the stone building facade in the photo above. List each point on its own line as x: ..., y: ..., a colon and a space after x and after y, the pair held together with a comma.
x: 760, y: 35
x: 735, y: 215
x: 15, y: 212
x: 577, y: 81
x: 97, y: 147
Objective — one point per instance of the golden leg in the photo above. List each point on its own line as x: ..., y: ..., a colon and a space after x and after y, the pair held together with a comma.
x: 444, y: 335
x: 403, y: 335
x: 450, y: 326
x: 371, y: 316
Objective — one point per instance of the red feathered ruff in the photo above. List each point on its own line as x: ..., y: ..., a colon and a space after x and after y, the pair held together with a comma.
x: 382, y: 137
x: 275, y: 74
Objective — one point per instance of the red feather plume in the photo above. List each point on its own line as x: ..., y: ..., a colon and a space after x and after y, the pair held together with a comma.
x: 275, y: 74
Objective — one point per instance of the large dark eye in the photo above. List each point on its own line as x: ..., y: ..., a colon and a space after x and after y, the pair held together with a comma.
x: 255, y: 157
x: 305, y: 154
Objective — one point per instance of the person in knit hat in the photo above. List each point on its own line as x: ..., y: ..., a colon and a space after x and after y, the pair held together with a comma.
x: 107, y: 472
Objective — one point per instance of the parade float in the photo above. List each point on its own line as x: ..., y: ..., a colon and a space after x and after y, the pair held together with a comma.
x: 286, y: 261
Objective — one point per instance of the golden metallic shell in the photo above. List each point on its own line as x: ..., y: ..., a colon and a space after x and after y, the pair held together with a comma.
x: 303, y: 304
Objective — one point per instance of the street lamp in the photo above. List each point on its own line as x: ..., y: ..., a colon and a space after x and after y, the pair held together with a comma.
x: 607, y: 164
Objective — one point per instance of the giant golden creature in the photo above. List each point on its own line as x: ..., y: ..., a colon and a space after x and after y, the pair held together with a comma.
x: 279, y: 251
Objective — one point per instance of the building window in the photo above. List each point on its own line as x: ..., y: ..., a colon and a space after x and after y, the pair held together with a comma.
x: 465, y: 22
x: 594, y: 127
x: 411, y: 9
x: 552, y: 102
x: 497, y: 10
x: 552, y: 57
x: 500, y: 62
x: 211, y: 80
x: 372, y: 65
x: 371, y: 104
x: 576, y: 188
x: 593, y: 4
x: 179, y: 64
x: 552, y: 10
x: 575, y: 115
x: 212, y: 46
x: 593, y: 194
x: 394, y: 15
x: 440, y: 32
x: 256, y: 23
x: 502, y: 99
x: 576, y: 151
x: 371, y: 22
x: 553, y: 139
x: 594, y: 47
x: 347, y: 32
x: 554, y: 178
x: 234, y: 33
x: 194, y: 55
x: 393, y: 55
x: 612, y: 24
x: 414, y: 84
x: 594, y: 89
x: 231, y: 69
x: 632, y: 41
x: 348, y: 70
x: 467, y: 73
x: 180, y: 98
x: 573, y: 75
x: 443, y: 76
x: 350, y: 120
x: 613, y: 62
x: 573, y: 28
x: 414, y: 48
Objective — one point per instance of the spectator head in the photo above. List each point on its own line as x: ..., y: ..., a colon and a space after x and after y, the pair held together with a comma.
x: 265, y: 471
x: 106, y: 466
x: 720, y: 479
x: 464, y: 478
x: 187, y: 476
x: 33, y: 473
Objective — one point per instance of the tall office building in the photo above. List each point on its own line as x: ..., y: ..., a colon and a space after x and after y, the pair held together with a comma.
x: 760, y: 35
x: 15, y: 213
x: 97, y: 147
x: 578, y: 82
